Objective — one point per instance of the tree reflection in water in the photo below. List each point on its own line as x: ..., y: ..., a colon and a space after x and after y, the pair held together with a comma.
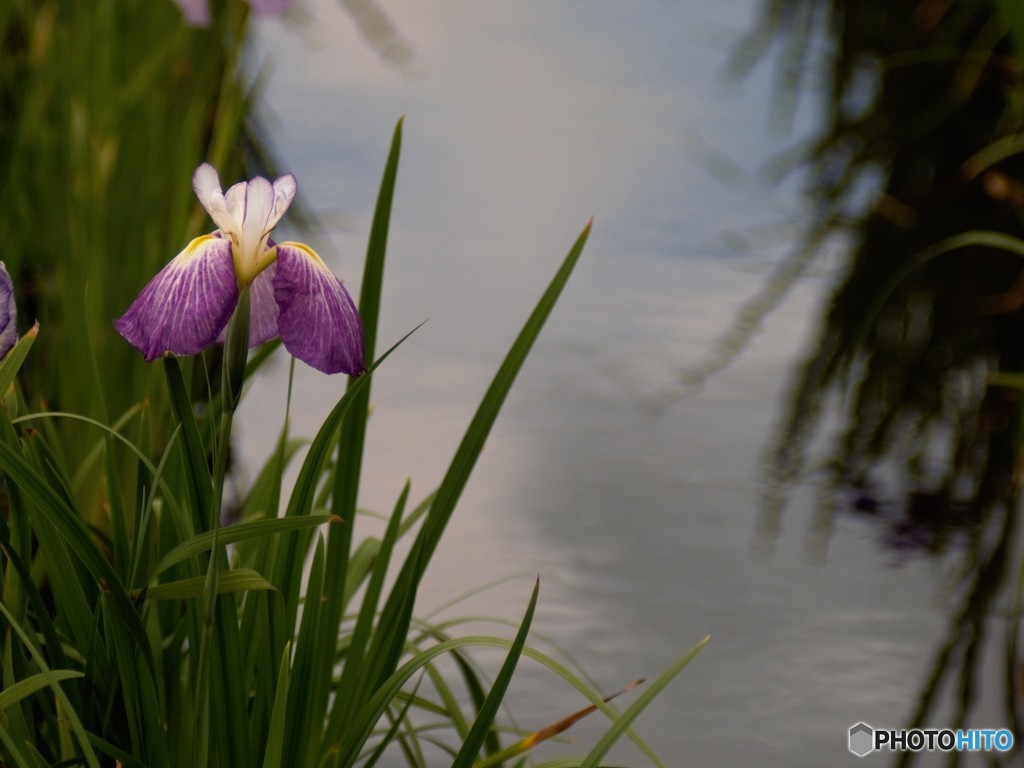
x: 909, y: 403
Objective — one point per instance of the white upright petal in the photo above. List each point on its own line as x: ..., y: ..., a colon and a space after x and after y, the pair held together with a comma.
x: 252, y: 241
x: 235, y: 198
x: 284, y: 192
x: 206, y: 184
x: 246, y: 214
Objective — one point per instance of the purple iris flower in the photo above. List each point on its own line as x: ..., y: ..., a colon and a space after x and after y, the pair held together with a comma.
x: 8, y: 313
x: 197, y: 12
x: 292, y: 293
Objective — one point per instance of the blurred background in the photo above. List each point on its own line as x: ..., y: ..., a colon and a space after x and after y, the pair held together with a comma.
x: 779, y: 401
x: 720, y: 431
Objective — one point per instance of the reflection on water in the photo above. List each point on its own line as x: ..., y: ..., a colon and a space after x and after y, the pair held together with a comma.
x: 916, y: 437
x: 531, y: 116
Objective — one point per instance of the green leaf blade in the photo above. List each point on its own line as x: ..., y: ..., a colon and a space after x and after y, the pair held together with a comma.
x: 485, y: 717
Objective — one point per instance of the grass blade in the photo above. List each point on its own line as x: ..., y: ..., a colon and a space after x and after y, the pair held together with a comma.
x: 360, y: 728
x: 352, y: 689
x: 273, y: 754
x: 285, y: 576
x: 240, y: 532
x: 305, y: 724
x: 72, y: 530
x: 397, y: 612
x: 390, y: 736
x: 548, y: 732
x: 15, y: 358
x: 473, y: 442
x: 351, y: 443
x: 485, y: 717
x: 25, y: 688
x: 626, y: 719
x: 70, y: 715
x: 237, y: 580
x: 197, y: 473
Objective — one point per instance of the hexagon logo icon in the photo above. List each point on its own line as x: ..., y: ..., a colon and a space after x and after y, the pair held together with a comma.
x: 861, y: 739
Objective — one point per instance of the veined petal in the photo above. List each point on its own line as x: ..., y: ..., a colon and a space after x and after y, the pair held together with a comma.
x: 285, y: 188
x: 206, y: 184
x: 185, y: 307
x: 318, y: 321
x: 235, y: 199
x: 8, y: 312
x: 263, y: 310
x: 259, y: 204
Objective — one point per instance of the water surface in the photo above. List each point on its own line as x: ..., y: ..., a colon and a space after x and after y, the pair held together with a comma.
x: 523, y: 120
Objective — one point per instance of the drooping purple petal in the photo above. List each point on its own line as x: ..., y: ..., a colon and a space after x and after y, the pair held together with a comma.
x: 8, y: 313
x: 262, y: 309
x: 185, y: 307
x: 317, y: 320
x: 263, y: 312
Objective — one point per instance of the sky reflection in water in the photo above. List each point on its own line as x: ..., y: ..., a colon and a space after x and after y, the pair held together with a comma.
x: 522, y: 120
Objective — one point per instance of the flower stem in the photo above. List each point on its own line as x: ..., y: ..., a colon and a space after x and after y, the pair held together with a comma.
x: 236, y: 352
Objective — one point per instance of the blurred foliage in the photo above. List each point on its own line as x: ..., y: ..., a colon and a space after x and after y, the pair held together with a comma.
x: 909, y: 402
x: 108, y: 107
x: 919, y: 98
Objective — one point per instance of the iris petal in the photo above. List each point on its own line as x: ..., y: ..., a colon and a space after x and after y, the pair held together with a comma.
x: 235, y: 199
x: 262, y: 307
x: 8, y: 312
x: 206, y: 184
x: 259, y: 203
x: 284, y: 192
x: 185, y: 307
x: 318, y: 321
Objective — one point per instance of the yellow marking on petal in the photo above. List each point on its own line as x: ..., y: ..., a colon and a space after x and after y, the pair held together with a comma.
x: 195, y: 245
x: 264, y: 260
x: 313, y: 255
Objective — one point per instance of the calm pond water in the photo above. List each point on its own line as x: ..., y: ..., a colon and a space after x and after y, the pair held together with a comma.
x: 523, y: 120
